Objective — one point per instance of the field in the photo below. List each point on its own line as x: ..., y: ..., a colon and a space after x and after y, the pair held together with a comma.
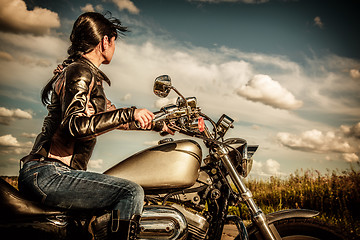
x: 335, y: 194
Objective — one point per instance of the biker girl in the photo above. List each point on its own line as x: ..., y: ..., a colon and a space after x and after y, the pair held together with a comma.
x: 54, y: 173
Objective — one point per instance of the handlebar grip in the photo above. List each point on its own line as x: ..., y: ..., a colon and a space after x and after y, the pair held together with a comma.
x: 157, y: 123
x: 158, y: 116
x: 156, y: 126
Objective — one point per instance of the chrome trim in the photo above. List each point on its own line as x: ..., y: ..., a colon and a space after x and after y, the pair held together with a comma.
x: 193, y: 219
x: 162, y: 223
x: 197, y: 224
x: 60, y: 220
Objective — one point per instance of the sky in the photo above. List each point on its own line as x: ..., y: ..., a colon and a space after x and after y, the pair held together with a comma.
x: 287, y: 72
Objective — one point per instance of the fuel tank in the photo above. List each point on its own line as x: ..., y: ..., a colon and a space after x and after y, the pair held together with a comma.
x: 171, y: 165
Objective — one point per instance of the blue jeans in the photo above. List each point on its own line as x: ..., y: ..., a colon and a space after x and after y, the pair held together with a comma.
x: 55, y: 184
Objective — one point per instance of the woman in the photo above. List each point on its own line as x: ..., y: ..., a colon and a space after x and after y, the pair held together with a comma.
x: 78, y: 111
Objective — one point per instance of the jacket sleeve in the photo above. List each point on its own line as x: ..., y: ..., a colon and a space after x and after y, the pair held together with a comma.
x: 77, y: 121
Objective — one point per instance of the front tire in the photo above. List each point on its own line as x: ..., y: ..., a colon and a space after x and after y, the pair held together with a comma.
x: 300, y: 229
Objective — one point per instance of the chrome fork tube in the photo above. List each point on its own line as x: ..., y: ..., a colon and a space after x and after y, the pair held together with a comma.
x: 258, y: 216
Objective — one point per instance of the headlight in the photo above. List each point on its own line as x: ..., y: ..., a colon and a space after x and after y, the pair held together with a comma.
x: 246, y: 167
x: 243, y: 162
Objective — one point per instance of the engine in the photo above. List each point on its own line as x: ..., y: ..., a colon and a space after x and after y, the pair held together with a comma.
x: 197, y: 224
x: 162, y: 223
x: 171, y: 223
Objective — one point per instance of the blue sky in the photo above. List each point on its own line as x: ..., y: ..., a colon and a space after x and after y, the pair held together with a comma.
x: 286, y: 71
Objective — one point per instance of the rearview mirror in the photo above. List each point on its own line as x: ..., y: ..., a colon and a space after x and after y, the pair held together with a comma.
x: 162, y: 86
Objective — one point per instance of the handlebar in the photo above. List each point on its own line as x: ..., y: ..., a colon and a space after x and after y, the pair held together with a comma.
x: 159, y: 116
x: 189, y: 120
x: 181, y: 117
x: 184, y: 116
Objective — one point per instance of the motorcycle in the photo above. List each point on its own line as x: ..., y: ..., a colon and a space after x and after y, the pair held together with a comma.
x: 187, y: 196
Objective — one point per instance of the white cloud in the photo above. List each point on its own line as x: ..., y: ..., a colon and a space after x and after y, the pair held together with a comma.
x: 351, y: 131
x: 20, y: 151
x: 259, y: 59
x: 126, y: 5
x: 6, y: 56
x: 268, y: 168
x: 99, y: 8
x: 272, y: 166
x: 344, y: 140
x: 9, y: 141
x: 355, y: 73
x: 350, y: 157
x: 15, y: 17
x: 87, y: 8
x: 318, y: 22
x: 10, y: 145
x: 29, y: 135
x: 14, y: 113
x: 90, y: 8
x: 95, y: 164
x: 9, y: 115
x: 315, y: 141
x: 34, y: 58
x: 161, y: 102
x: 190, y: 68
x: 34, y: 46
x: 33, y: 61
x: 261, y: 88
x: 126, y: 97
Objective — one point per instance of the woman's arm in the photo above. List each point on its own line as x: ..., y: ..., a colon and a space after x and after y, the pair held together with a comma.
x: 77, y: 121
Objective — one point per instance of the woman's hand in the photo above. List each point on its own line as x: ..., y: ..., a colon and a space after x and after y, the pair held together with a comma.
x: 144, y: 117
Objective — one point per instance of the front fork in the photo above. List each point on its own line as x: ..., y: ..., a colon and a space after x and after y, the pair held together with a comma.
x: 258, y: 217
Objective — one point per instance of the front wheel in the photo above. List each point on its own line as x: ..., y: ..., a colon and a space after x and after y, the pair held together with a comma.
x: 300, y: 229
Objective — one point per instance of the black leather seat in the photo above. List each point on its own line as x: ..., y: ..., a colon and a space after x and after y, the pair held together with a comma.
x: 13, y: 205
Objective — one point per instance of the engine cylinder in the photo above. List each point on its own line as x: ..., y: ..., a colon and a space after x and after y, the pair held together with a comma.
x: 162, y: 223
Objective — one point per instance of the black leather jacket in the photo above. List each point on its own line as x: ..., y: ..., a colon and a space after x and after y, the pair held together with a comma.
x: 78, y: 112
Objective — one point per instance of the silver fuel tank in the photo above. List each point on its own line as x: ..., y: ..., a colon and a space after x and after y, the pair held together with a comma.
x: 170, y: 165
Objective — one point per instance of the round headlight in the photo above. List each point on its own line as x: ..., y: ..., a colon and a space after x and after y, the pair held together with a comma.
x: 242, y: 156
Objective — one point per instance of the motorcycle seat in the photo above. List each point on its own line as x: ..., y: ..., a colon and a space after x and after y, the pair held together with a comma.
x: 13, y: 205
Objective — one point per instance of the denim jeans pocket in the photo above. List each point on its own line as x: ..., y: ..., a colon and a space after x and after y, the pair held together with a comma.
x: 40, y: 193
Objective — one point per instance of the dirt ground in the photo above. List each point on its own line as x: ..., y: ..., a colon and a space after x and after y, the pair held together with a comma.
x: 229, y: 232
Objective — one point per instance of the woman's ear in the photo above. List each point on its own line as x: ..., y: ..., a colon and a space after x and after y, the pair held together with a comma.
x: 105, y: 43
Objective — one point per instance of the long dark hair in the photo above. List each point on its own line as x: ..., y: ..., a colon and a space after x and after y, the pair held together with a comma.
x: 88, y: 30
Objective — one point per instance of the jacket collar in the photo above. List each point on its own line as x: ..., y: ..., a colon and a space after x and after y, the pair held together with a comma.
x: 99, y: 74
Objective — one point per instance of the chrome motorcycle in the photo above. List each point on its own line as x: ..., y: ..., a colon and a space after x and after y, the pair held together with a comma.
x: 187, y: 196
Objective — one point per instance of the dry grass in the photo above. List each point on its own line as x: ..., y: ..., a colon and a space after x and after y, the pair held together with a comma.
x: 335, y: 194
